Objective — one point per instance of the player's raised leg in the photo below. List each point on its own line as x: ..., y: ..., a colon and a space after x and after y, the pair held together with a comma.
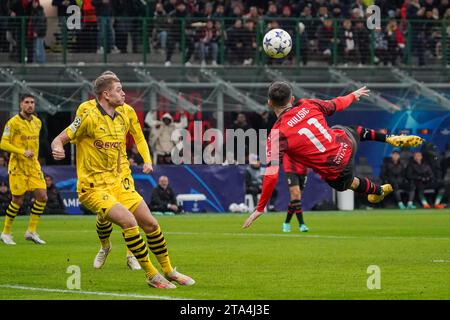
x: 158, y: 245
x: 130, y: 231
x: 403, y: 141
x: 37, y: 209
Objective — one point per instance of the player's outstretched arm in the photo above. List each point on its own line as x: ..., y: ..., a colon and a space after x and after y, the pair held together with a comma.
x: 58, y: 145
x: 269, y: 183
x: 344, y: 102
x: 361, y: 92
x: 255, y: 215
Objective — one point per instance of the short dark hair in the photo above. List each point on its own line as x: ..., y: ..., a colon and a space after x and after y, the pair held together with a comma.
x: 25, y: 95
x: 280, y: 93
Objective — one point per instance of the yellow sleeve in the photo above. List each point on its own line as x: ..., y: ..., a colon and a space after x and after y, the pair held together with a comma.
x: 138, y: 135
x: 78, y: 127
x: 5, y: 143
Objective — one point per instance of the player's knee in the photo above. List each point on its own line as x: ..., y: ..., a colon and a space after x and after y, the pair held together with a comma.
x: 295, y: 194
x: 18, y: 200
x: 296, y: 204
x: 42, y: 198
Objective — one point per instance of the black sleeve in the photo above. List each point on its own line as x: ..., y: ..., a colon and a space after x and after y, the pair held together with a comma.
x: 173, y: 198
x: 156, y: 203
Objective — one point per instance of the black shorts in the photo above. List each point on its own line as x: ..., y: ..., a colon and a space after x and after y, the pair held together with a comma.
x: 294, y: 179
x: 345, y: 178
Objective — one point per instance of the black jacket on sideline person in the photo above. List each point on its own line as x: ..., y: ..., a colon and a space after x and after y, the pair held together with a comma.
x: 161, y: 198
x: 393, y: 173
x: 419, y: 173
x: 54, y: 205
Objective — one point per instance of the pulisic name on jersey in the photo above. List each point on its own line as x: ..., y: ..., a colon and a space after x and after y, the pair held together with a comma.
x: 299, y: 116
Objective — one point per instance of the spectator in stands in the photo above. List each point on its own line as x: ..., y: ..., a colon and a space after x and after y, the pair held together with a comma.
x: 174, y: 33
x: 347, y: 42
x: 5, y: 196
x: 134, y: 156
x: 4, y: 13
x: 254, y: 174
x: 161, y: 136
x: 443, y: 7
x: 335, y: 8
x: 250, y: 44
x: 272, y: 12
x: 209, y: 43
x: 104, y: 12
x: 381, y: 47
x: 307, y: 19
x: 432, y: 30
x: 359, y: 4
x: 159, y: 33
x: 87, y: 38
x: 17, y: 10
x: 304, y: 43
x: 420, y: 177
x: 415, y: 12
x: 219, y: 13
x: 61, y: 6
x: 285, y: 21
x: 235, y: 42
x: 241, y: 122
x: 36, y: 33
x: 236, y: 15
x: 127, y: 22
x: 325, y: 38
x: 252, y: 14
x: 396, y: 42
x: 163, y: 198
x: 393, y: 172
x: 55, y: 205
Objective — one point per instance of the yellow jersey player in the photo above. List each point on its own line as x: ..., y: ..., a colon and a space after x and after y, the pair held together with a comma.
x: 104, y: 227
x: 98, y: 135
x: 21, y: 139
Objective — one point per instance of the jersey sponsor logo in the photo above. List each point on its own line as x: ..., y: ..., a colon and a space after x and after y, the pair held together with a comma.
x: 299, y: 116
x: 99, y: 144
x: 341, y: 153
x: 25, y: 138
x: 75, y: 124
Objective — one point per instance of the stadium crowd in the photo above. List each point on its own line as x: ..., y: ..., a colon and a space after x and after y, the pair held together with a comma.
x: 208, y: 22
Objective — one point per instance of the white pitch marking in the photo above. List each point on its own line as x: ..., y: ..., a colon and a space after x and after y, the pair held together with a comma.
x: 111, y: 294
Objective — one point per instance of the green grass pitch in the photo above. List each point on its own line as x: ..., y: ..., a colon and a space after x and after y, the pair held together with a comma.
x: 411, y: 248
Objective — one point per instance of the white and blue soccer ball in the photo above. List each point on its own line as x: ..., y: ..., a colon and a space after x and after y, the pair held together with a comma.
x: 277, y: 43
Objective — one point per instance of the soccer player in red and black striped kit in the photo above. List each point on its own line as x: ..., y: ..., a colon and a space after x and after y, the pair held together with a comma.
x: 296, y: 176
x: 302, y: 133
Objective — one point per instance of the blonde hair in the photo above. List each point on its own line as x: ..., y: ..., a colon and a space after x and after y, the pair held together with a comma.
x: 104, y: 82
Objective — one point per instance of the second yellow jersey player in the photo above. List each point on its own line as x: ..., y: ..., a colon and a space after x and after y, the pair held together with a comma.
x: 21, y: 139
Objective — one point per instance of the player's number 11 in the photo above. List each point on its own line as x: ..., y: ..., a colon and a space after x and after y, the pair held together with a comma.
x: 312, y: 137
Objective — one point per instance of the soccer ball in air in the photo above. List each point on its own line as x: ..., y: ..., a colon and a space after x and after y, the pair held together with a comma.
x: 277, y: 43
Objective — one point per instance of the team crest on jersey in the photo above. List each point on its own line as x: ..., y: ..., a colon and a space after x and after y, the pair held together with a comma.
x: 75, y: 124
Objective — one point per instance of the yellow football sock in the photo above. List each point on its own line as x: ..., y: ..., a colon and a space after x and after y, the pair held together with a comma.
x: 158, y: 246
x: 35, y: 214
x: 11, y: 213
x: 104, y: 230
x: 137, y: 246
